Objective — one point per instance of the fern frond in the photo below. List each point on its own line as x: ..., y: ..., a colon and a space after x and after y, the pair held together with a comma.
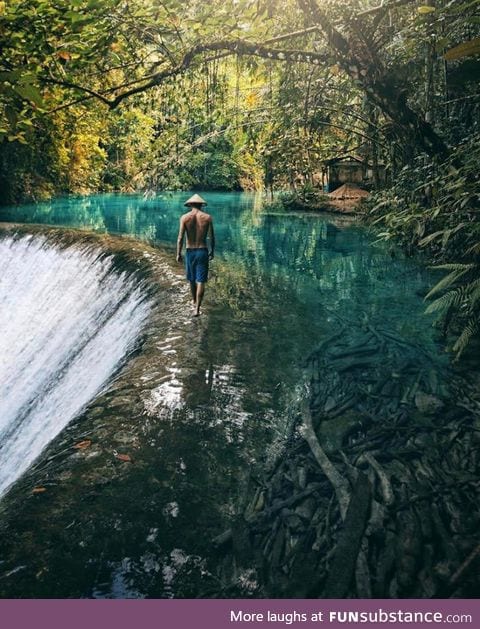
x: 469, y: 331
x: 474, y: 289
x: 453, y: 266
x: 457, y: 271
x: 474, y: 249
x: 453, y: 298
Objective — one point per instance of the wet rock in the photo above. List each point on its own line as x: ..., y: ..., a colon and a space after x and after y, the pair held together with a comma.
x: 96, y: 411
x: 331, y: 433
x: 306, y: 509
x: 121, y: 400
x: 302, y: 477
x: 329, y: 404
x: 125, y: 438
x: 293, y: 522
x: 427, y: 404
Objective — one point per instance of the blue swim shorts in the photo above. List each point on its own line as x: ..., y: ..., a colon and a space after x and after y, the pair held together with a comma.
x: 196, y: 265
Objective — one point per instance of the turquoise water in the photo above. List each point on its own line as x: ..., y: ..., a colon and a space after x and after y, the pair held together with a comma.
x: 284, y: 280
x: 317, y: 261
x: 216, y: 396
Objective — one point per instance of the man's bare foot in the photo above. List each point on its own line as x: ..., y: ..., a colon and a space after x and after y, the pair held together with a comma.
x: 196, y: 313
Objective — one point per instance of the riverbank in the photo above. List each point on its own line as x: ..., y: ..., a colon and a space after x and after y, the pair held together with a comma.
x: 347, y: 200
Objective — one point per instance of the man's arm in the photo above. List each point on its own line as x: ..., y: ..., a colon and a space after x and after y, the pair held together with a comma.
x: 212, y: 240
x: 181, y: 234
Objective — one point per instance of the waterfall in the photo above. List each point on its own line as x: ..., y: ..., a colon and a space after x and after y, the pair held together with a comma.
x: 68, y: 319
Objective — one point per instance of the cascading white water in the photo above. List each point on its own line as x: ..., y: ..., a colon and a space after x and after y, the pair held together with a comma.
x: 67, y: 320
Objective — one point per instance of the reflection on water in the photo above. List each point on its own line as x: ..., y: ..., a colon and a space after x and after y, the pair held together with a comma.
x: 207, y: 400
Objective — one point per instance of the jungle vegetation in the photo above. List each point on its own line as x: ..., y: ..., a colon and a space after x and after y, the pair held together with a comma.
x: 103, y: 95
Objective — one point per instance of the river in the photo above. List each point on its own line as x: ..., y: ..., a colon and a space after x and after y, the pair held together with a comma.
x: 210, y: 404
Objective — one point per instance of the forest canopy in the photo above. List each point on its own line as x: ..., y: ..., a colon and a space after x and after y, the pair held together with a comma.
x: 126, y: 95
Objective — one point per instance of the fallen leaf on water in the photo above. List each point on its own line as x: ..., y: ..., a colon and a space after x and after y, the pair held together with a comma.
x: 81, y: 445
x: 124, y: 457
x: 38, y: 490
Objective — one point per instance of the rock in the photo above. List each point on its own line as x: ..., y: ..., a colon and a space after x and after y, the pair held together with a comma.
x: 124, y: 437
x: 329, y: 404
x: 96, y: 411
x: 294, y: 522
x: 333, y: 431
x: 427, y: 404
x: 306, y: 509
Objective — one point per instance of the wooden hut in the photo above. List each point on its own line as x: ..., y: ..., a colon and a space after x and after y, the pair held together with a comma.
x: 349, y: 169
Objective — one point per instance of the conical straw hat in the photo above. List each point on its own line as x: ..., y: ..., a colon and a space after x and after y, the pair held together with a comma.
x: 196, y: 199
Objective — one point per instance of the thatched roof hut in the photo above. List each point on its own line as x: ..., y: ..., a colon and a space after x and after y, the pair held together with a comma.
x: 347, y: 197
x: 348, y: 191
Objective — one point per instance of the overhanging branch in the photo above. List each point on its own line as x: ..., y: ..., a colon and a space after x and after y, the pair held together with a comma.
x: 238, y: 46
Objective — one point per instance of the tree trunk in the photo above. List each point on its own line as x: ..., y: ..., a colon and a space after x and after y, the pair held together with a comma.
x: 366, y: 69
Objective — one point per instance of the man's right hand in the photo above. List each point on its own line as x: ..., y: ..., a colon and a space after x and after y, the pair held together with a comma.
x: 179, y: 257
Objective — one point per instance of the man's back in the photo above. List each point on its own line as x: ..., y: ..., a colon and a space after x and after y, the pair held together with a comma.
x: 197, y: 224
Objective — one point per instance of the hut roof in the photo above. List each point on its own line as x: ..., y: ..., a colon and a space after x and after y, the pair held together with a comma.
x: 345, y: 158
x: 348, y: 191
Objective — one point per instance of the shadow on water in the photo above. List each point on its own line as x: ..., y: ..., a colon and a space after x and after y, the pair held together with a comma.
x: 168, y: 448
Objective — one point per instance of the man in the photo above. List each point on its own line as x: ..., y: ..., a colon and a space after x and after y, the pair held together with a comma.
x: 197, y: 225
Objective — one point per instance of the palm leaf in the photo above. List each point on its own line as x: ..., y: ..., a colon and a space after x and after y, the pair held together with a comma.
x: 457, y: 271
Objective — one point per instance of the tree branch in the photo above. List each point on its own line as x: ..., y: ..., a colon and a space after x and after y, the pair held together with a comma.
x: 81, y: 88
x: 368, y: 72
x: 238, y: 46
x: 384, y: 7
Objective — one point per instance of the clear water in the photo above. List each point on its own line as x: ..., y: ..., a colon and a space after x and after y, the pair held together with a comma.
x: 314, y: 262
x: 205, y: 405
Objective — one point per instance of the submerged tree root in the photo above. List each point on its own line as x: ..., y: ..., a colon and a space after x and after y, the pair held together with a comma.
x: 377, y: 492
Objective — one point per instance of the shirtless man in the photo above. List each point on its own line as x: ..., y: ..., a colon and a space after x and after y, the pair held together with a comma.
x: 197, y: 225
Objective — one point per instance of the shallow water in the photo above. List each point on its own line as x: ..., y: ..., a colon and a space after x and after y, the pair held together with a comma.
x: 207, y: 401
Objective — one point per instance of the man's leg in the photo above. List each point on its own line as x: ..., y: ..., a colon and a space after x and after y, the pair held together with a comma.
x: 199, y: 296
x: 193, y: 288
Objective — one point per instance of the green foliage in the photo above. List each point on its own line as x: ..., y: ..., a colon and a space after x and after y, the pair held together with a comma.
x: 436, y: 209
x: 459, y: 303
x: 305, y: 199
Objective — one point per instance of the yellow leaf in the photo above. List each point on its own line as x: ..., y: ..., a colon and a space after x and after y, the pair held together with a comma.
x: 465, y: 49
x: 81, y: 445
x: 423, y: 10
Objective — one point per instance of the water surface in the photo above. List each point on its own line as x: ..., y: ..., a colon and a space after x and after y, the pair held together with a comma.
x: 208, y: 402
